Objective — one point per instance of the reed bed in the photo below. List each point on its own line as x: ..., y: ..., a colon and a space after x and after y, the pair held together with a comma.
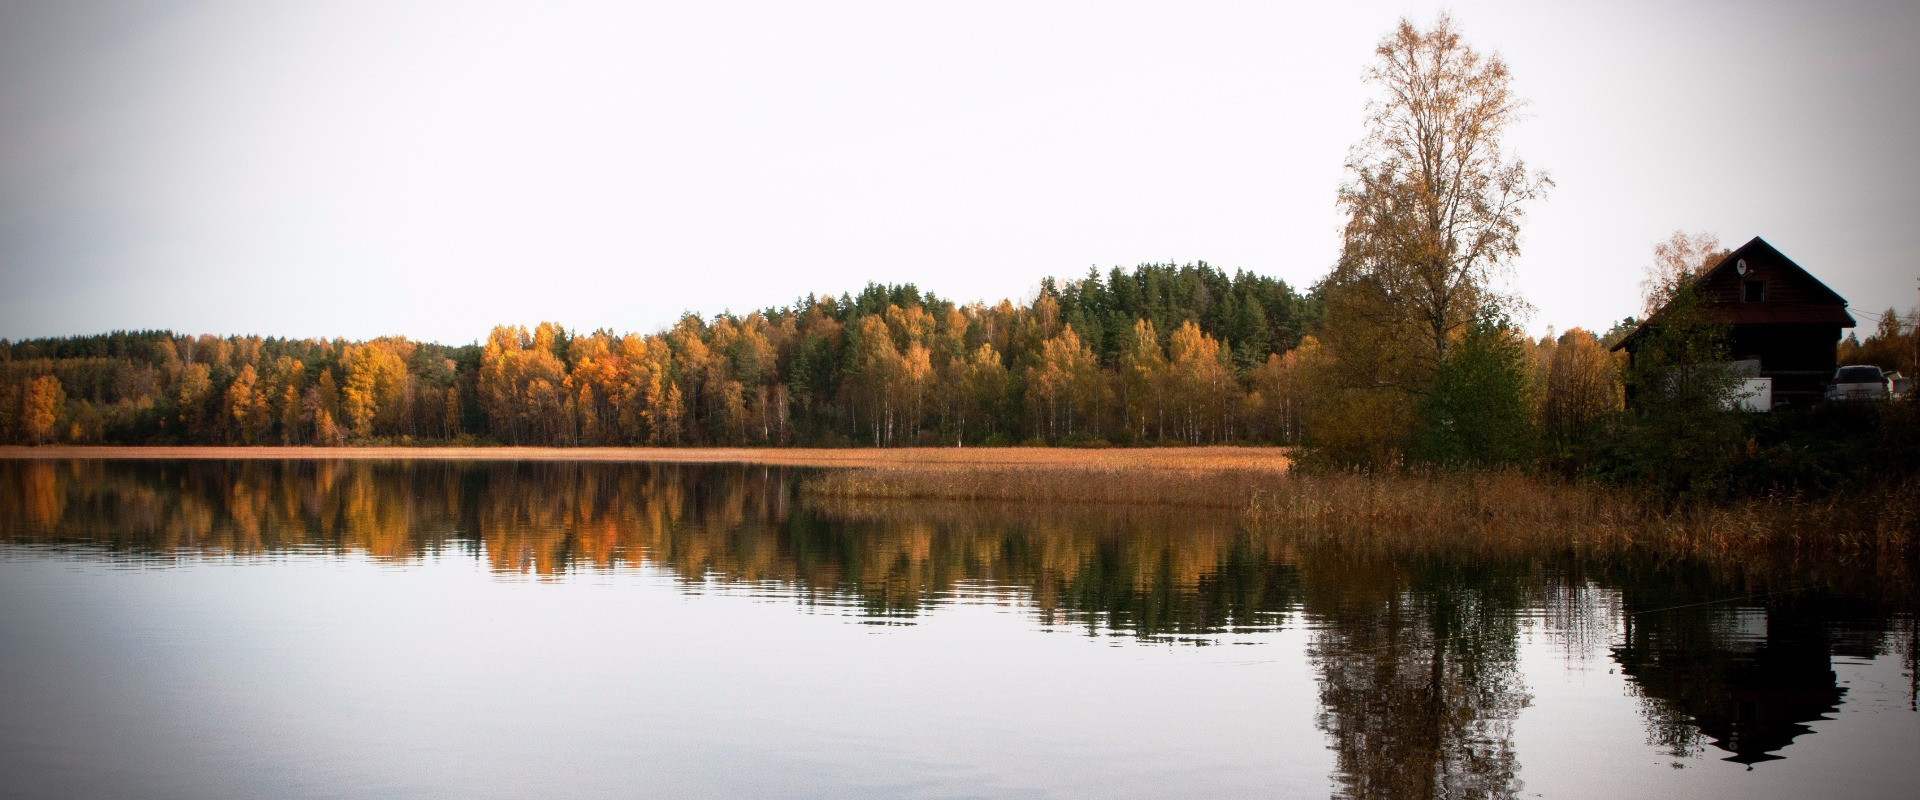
x: 1508, y: 510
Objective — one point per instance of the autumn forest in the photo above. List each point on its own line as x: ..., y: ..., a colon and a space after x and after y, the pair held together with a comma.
x: 1164, y: 353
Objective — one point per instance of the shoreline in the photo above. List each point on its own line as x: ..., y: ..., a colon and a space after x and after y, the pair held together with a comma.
x: 1208, y: 459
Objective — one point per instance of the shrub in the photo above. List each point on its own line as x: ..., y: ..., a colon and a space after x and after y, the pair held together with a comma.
x: 1477, y: 412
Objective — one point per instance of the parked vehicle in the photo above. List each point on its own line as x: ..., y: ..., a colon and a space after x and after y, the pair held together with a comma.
x: 1859, y: 383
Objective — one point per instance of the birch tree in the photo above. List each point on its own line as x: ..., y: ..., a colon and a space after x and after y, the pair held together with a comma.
x: 1434, y: 202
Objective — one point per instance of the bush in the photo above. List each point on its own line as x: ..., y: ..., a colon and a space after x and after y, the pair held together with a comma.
x: 1477, y: 411
x: 1818, y: 450
x: 1828, y: 448
x: 1677, y: 436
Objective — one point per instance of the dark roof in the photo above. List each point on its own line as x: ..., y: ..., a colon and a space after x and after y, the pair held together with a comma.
x: 1809, y: 303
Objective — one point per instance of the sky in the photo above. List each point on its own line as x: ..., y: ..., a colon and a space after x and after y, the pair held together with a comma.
x: 432, y: 169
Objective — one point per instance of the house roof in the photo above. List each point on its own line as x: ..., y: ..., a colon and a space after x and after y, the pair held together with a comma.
x: 1809, y: 303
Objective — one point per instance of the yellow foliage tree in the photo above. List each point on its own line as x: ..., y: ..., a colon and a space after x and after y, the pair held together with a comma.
x: 1143, y: 380
x: 1064, y: 391
x: 376, y: 392
x: 1583, y: 385
x: 40, y: 411
x: 1201, y: 383
x: 1434, y: 204
x: 1359, y: 405
x: 248, y: 407
x: 912, y: 382
x: 194, y: 386
x: 872, y: 365
x: 1282, y: 385
x: 290, y: 415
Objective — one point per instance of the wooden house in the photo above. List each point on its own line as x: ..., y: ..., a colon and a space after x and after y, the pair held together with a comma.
x: 1777, y: 314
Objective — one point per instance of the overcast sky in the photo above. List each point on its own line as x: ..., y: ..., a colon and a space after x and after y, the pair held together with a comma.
x: 433, y: 169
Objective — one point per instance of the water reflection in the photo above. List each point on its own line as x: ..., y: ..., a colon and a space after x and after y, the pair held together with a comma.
x: 1416, y: 656
x: 1419, y: 679
x: 1149, y: 573
x: 1745, y: 677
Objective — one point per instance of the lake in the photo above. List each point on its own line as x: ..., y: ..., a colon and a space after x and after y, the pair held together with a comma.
x: 497, y: 629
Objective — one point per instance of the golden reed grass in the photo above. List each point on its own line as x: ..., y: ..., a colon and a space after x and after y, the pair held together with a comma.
x: 1511, y: 509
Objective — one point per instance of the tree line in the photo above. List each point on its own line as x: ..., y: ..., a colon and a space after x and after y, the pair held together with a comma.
x: 1162, y: 353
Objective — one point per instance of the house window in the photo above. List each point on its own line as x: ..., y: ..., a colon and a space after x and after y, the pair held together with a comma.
x: 1756, y: 291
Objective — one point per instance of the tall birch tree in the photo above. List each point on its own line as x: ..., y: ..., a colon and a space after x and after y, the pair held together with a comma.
x: 1434, y: 202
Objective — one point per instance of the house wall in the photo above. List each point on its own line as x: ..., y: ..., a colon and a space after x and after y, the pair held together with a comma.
x: 1799, y: 358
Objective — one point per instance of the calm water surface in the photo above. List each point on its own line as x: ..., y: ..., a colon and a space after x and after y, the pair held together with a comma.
x: 356, y: 629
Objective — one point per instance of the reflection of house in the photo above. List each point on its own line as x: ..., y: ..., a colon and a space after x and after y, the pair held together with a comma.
x: 1751, y: 693
x: 1771, y: 695
x: 1779, y: 315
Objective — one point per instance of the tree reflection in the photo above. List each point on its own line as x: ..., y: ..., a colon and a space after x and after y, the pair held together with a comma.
x: 1147, y: 571
x: 1418, y: 673
x: 1142, y: 571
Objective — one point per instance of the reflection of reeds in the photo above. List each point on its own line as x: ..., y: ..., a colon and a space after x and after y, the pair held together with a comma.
x: 1867, y: 534
x: 1222, y: 487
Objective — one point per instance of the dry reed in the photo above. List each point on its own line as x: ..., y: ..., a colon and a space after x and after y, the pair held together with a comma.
x: 1508, y: 509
